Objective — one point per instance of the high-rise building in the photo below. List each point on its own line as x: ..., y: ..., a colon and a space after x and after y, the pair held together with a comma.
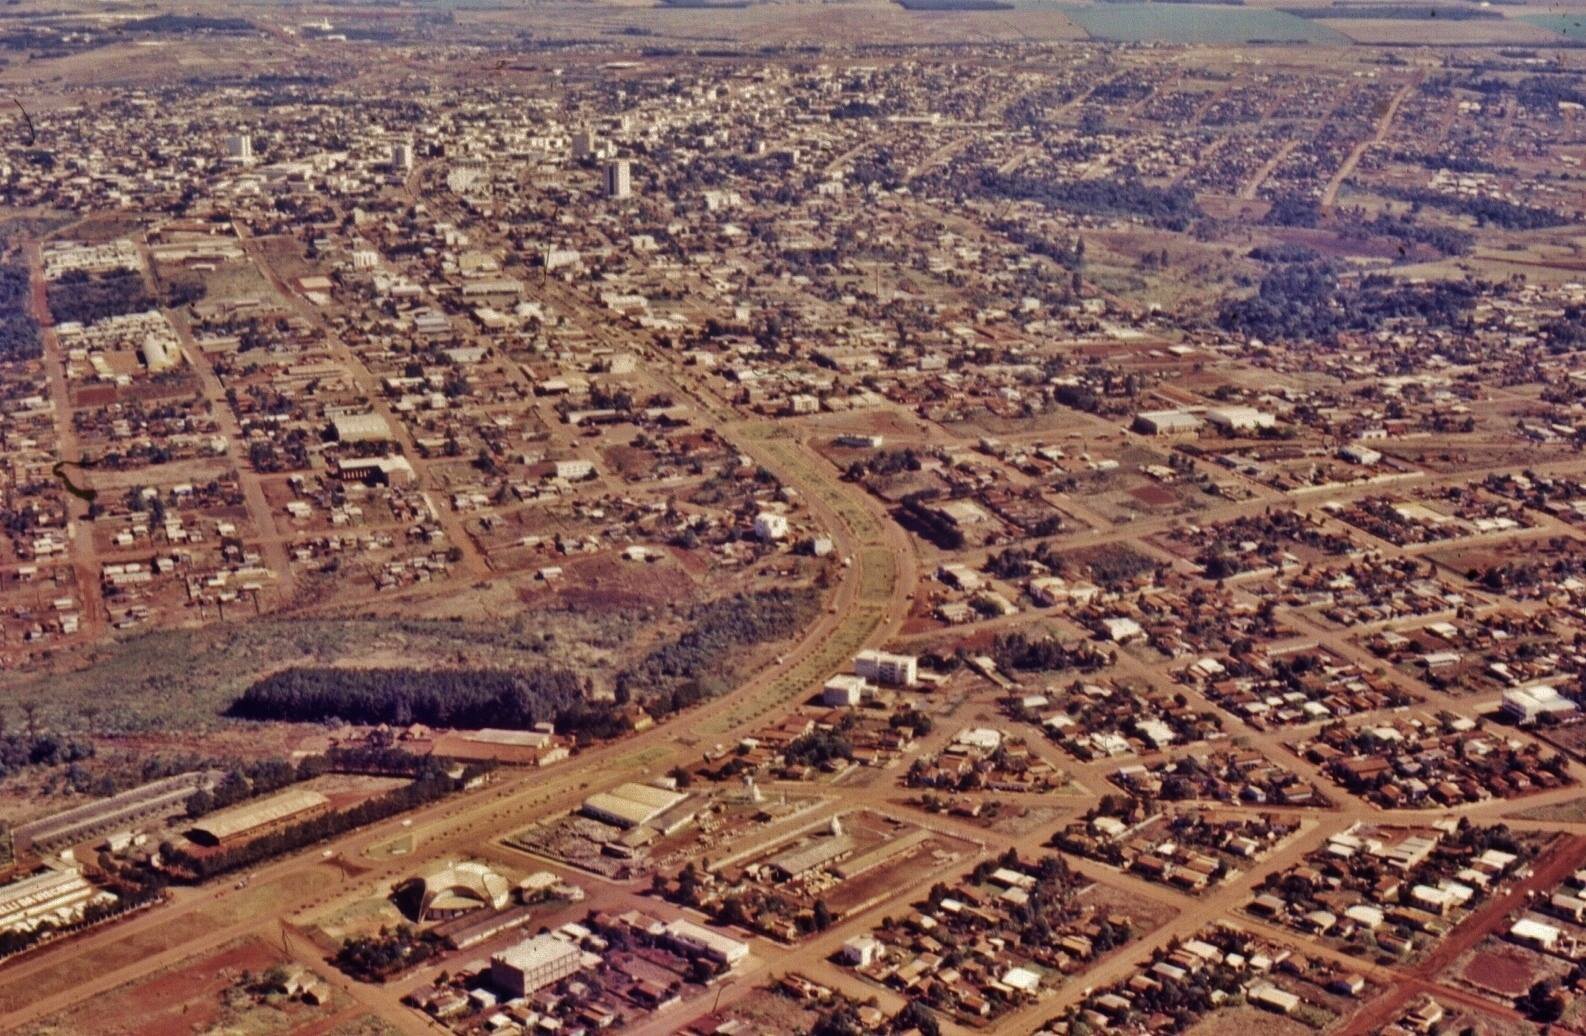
x: 240, y: 147
x: 584, y: 143
x: 619, y: 178
x: 402, y: 157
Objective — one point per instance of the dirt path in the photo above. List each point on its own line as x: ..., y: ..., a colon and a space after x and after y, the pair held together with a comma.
x: 1384, y: 124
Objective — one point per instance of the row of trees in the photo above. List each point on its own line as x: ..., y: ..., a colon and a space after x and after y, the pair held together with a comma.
x: 201, y: 866
x: 467, y: 698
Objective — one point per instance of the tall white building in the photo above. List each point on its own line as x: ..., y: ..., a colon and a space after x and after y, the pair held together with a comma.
x: 619, y: 178
x: 883, y: 668
x: 402, y: 157
x: 240, y: 147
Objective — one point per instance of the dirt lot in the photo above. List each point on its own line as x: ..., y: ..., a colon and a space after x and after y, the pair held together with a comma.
x: 1571, y: 812
x: 1242, y: 1021
x: 1146, y: 916
x: 194, y: 996
x: 68, y: 972
x: 1505, y: 970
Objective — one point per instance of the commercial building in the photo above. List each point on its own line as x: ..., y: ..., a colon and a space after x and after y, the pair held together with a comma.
x: 1239, y: 419
x: 450, y: 890
x: 1167, y: 422
x: 240, y: 147
x: 862, y: 951
x: 156, y: 799
x: 630, y: 805
x: 1355, y: 453
x: 401, y: 157
x: 160, y: 353
x: 251, y: 819
x: 1526, y: 704
x: 1535, y: 933
x: 533, y: 964
x: 698, y: 941
x: 802, y: 859
x: 376, y: 471
x: 844, y: 689
x: 360, y: 428
x: 51, y: 896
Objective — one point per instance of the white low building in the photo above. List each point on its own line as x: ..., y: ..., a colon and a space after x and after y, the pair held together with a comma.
x: 770, y: 526
x: 1527, y: 704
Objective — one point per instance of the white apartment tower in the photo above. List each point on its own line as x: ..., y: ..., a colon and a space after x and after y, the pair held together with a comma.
x: 240, y: 147
x: 402, y: 157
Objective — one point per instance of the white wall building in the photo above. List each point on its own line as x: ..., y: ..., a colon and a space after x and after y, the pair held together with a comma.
x: 883, y: 668
x: 770, y: 526
x: 533, y: 964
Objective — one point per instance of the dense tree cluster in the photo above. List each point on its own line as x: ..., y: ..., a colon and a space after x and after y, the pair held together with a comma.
x: 79, y: 296
x: 885, y: 462
x: 1454, y: 161
x: 955, y: 5
x: 1284, y: 252
x: 467, y: 698
x: 1293, y: 210
x: 1070, y: 254
x: 375, y: 958
x: 1401, y: 228
x: 916, y: 512
x: 19, y: 332
x: 1306, y: 302
x: 1547, y: 92
x: 248, y: 780
x: 843, y: 1020
x: 1566, y: 332
x: 1170, y: 208
x: 185, y: 23
x: 1017, y: 651
x: 817, y: 748
x: 18, y: 751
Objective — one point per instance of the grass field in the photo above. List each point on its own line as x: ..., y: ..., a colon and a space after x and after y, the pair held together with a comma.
x: 184, y: 679
x: 1197, y: 23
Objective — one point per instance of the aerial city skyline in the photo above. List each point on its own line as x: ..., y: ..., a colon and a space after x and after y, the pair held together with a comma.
x: 944, y: 516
